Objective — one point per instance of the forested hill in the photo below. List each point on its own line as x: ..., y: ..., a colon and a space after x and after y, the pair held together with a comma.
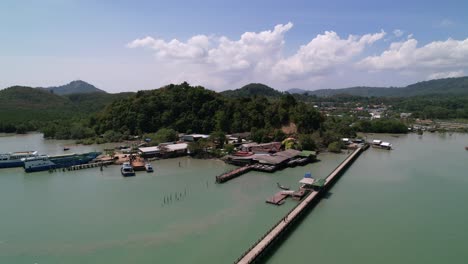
x: 195, y: 109
x: 74, y: 87
x: 252, y: 89
x: 448, y: 86
x: 25, y: 104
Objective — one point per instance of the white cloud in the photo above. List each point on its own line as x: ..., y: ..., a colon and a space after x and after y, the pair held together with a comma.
x: 322, y: 54
x: 447, y: 54
x: 398, y: 33
x: 219, y: 62
x: 450, y: 74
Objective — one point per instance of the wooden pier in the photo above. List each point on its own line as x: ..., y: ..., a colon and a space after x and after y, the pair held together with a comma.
x: 259, y: 248
x: 233, y: 174
x: 90, y: 165
x: 278, y: 198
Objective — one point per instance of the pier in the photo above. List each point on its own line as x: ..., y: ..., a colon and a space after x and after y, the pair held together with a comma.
x: 233, y: 174
x: 260, y: 247
x: 90, y: 165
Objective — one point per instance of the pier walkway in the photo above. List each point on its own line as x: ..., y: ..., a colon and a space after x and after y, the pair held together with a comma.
x: 259, y: 247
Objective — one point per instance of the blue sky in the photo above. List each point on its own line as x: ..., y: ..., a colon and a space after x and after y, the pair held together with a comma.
x: 127, y: 45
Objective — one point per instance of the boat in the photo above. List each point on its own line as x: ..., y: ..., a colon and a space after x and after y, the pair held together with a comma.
x: 66, y: 148
x: 44, y: 162
x: 381, y: 144
x: 243, y: 153
x: 15, y: 159
x: 282, y: 187
x: 137, y: 163
x: 39, y: 163
x: 148, y: 167
x: 127, y: 170
x: 466, y: 148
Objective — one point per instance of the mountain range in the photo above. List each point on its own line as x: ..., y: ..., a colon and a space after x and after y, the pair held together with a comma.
x: 448, y: 86
x: 74, y: 87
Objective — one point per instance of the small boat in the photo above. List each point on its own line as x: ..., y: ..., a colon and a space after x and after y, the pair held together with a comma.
x: 127, y: 170
x: 466, y: 148
x: 148, y: 167
x: 243, y: 153
x: 66, y: 148
x: 282, y: 187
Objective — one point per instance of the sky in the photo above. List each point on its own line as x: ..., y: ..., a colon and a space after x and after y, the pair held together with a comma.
x: 139, y: 45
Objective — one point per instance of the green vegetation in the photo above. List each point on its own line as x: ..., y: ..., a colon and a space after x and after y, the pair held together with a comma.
x: 381, y: 126
x: 97, y: 117
x: 253, y: 89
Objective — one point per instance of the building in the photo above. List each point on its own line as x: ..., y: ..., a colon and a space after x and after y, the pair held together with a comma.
x: 194, y: 137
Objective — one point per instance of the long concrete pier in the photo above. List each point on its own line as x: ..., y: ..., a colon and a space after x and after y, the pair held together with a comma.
x: 259, y: 248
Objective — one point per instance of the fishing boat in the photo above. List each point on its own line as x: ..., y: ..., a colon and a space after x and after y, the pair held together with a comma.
x: 282, y: 187
x: 137, y: 163
x: 44, y: 162
x: 127, y: 170
x: 148, y: 167
x: 14, y: 159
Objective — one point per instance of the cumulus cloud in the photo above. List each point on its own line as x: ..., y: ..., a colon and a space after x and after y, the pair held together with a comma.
x: 398, y: 33
x: 323, y: 53
x: 435, y: 55
x: 450, y: 74
x: 258, y: 55
x: 251, y: 50
x: 220, y: 62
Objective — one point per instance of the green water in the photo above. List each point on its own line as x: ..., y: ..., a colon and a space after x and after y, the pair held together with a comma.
x: 404, y: 206
x: 90, y: 216
x: 407, y: 205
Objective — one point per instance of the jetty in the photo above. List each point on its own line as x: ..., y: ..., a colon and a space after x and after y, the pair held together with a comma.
x: 278, y: 198
x: 233, y: 174
x: 90, y: 165
x: 261, y: 246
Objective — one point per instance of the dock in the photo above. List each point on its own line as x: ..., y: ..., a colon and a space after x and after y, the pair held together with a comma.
x: 233, y: 174
x: 278, y: 198
x: 90, y: 165
x: 261, y: 246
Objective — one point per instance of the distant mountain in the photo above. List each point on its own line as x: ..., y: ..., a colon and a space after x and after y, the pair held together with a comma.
x: 252, y: 89
x: 448, y: 86
x: 296, y: 91
x: 75, y: 87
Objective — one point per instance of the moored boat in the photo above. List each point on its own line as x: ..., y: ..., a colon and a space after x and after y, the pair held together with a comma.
x: 15, y: 159
x: 282, y: 187
x: 44, y: 162
x: 39, y: 163
x: 381, y: 144
x: 148, y: 167
x: 137, y: 163
x: 127, y: 170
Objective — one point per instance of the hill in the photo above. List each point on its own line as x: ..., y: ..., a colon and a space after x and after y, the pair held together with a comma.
x: 296, y: 91
x: 29, y: 106
x: 75, y: 87
x: 252, y: 89
x: 448, y: 86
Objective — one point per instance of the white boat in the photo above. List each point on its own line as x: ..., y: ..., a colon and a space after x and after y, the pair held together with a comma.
x: 127, y: 170
x: 148, y: 167
x: 381, y: 144
x: 14, y: 159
